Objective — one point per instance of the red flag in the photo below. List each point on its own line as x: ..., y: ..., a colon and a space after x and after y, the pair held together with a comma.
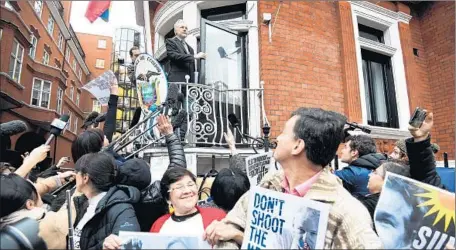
x: 95, y: 9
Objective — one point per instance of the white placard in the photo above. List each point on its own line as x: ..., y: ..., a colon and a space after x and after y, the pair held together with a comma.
x: 100, y: 87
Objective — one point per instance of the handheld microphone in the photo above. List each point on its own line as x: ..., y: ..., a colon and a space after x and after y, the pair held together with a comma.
x: 57, y: 126
x: 89, y: 120
x: 99, y: 119
x: 12, y: 128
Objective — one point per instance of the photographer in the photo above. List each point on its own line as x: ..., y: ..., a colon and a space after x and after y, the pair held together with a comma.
x: 420, y: 153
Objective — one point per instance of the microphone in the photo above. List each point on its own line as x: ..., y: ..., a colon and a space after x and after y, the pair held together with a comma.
x: 89, y: 120
x: 99, y: 119
x: 12, y: 128
x: 233, y: 120
x: 57, y: 126
x: 222, y: 52
x: 356, y: 126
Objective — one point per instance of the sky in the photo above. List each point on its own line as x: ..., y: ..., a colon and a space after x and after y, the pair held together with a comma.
x: 122, y: 13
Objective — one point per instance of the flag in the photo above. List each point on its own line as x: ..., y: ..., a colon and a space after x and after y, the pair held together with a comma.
x: 105, y: 15
x: 97, y: 9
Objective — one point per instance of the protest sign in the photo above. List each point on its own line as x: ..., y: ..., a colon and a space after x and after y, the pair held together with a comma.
x: 100, y: 87
x: 283, y: 221
x: 140, y: 240
x: 259, y: 165
x: 414, y: 215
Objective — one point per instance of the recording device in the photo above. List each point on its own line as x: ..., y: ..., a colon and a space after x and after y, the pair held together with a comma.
x: 22, y: 234
x: 352, y: 126
x: 57, y: 126
x: 418, y: 117
x: 12, y: 128
x: 100, y: 118
x: 222, y: 52
x: 89, y: 120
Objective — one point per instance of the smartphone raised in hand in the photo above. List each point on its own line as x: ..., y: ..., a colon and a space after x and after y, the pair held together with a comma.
x: 418, y: 117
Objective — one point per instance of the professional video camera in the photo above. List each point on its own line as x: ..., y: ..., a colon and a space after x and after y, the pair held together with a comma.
x: 21, y: 235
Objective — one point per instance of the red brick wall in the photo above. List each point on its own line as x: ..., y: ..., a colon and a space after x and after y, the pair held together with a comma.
x: 33, y: 68
x: 302, y: 65
x: 438, y: 34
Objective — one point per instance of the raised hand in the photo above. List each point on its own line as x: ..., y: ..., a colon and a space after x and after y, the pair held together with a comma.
x: 422, y: 133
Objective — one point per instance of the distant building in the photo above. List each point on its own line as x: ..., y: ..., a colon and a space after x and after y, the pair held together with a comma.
x: 42, y: 71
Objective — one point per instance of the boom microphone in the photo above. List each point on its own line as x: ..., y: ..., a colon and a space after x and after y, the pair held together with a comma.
x: 57, y: 126
x: 12, y: 128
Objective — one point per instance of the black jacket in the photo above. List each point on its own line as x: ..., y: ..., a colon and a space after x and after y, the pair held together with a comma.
x: 181, y: 63
x: 370, y: 202
x: 114, y: 213
x: 422, y: 162
x: 152, y: 204
x: 110, y: 122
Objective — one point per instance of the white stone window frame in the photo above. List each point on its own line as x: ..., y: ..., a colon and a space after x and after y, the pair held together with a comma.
x: 41, y: 92
x: 38, y: 7
x: 46, y: 57
x: 18, y: 59
x: 60, y: 94
x: 34, y: 42
x: 380, y: 18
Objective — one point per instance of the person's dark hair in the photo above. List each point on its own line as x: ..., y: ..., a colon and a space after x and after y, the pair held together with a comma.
x: 14, y: 193
x: 131, y: 50
x: 322, y: 132
x: 89, y: 141
x: 363, y: 143
x: 171, y: 176
x: 228, y: 187
x: 101, y: 169
x: 396, y: 167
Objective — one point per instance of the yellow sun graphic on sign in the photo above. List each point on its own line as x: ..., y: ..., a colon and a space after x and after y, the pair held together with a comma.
x: 442, y: 203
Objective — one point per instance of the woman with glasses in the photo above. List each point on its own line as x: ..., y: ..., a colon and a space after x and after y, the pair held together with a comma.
x: 178, y: 186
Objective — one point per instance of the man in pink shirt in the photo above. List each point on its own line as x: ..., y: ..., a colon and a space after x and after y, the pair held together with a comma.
x: 305, y: 147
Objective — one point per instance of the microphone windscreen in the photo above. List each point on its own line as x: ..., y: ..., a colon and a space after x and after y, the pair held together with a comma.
x: 233, y: 120
x: 55, y: 130
x: 12, y: 128
x: 173, y: 93
x: 136, y: 117
x: 179, y: 119
x: 92, y: 116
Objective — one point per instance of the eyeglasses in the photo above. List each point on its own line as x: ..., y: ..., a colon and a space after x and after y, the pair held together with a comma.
x: 181, y: 188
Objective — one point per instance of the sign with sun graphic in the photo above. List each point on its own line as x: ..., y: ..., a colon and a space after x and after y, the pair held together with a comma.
x: 414, y: 215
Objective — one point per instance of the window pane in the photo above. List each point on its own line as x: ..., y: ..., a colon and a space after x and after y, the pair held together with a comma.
x: 20, y: 53
x: 11, y: 66
x: 35, y: 97
x: 368, y: 36
x: 44, y: 100
x: 379, y: 92
x: 47, y: 87
x: 18, y: 71
x: 367, y: 91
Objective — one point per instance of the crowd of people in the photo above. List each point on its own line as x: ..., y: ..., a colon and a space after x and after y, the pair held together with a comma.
x: 112, y: 194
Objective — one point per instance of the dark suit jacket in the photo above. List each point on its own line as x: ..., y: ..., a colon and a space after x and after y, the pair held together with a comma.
x: 181, y: 63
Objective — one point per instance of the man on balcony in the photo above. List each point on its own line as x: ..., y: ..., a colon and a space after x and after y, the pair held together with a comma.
x: 181, y: 55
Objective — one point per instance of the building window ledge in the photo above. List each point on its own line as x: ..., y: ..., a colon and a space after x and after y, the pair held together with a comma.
x: 388, y: 133
x: 376, y: 46
x: 12, y: 81
x: 161, y: 52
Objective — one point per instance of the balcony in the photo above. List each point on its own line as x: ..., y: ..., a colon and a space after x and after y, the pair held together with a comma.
x: 208, y: 107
